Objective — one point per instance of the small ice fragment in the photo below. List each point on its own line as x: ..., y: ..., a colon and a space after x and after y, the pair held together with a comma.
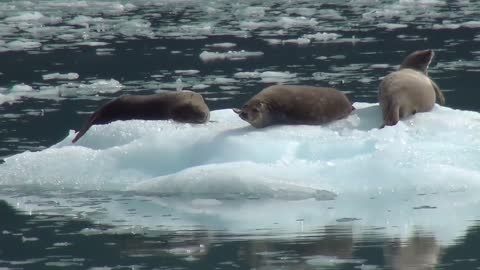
x: 59, y: 76
x: 298, y: 41
x: 222, y: 45
x: 322, y: 36
x: 23, y: 44
x: 392, y: 26
x: 471, y: 24
x: 246, y: 75
x: 200, y: 86
x: 179, y: 84
x: 21, y: 88
x: 230, y: 55
x: 187, y: 71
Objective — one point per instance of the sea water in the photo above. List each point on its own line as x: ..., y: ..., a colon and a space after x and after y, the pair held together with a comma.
x: 224, y: 195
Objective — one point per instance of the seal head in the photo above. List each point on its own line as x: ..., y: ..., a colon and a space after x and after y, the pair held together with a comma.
x: 256, y: 113
x: 419, y: 61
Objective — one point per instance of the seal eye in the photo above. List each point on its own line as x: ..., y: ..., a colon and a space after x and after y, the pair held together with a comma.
x: 255, y: 110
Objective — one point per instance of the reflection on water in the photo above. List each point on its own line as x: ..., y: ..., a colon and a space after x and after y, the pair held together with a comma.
x: 419, y: 252
x: 39, y: 242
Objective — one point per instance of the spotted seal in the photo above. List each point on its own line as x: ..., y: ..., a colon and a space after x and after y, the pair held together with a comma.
x: 295, y: 105
x: 181, y: 106
x: 409, y: 90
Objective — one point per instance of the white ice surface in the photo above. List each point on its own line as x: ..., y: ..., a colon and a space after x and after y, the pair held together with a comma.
x: 226, y: 174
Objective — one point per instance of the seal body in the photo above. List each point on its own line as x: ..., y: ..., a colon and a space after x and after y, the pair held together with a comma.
x: 182, y: 106
x: 295, y: 105
x: 409, y: 90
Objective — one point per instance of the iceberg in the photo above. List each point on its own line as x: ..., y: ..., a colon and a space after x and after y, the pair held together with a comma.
x: 430, y: 152
x: 227, y: 174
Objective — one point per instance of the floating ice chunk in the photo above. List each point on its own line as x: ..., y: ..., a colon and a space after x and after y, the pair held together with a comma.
x: 323, y: 36
x: 290, y: 22
x: 25, y: 16
x: 93, y: 43
x: 249, y: 25
x: 223, y: 80
x: 382, y: 170
x: 298, y: 41
x: 446, y: 25
x: 179, y: 84
x: 380, y: 66
x: 329, y: 14
x: 273, y: 41
x: 200, y: 86
x: 82, y: 20
x: 230, y: 55
x: 67, y: 37
x: 95, y: 87
x: 62, y: 244
x: 385, y: 13
x: 471, y: 24
x: 301, y: 159
x: 246, y: 75
x: 101, y: 86
x: 222, y: 45
x: 130, y: 7
x: 23, y: 44
x: 21, y: 88
x: 26, y: 20
x: 59, y: 76
x: 325, y: 261
x: 117, y: 8
x: 195, y: 30
x: 104, y: 51
x: 276, y: 76
x: 365, y: 80
x: 187, y: 72
x: 392, y: 26
x: 7, y: 98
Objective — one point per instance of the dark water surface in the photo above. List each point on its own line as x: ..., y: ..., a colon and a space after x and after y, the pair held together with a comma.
x: 147, y: 46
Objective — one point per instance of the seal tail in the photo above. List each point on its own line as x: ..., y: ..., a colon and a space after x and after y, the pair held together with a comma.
x: 86, y: 127
x: 391, y: 114
x: 440, y: 98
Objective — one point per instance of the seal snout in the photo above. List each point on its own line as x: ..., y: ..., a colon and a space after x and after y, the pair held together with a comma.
x: 243, y: 115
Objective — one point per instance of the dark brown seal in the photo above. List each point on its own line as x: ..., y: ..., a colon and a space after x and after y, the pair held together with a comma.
x: 182, y: 106
x: 295, y: 105
x: 409, y: 90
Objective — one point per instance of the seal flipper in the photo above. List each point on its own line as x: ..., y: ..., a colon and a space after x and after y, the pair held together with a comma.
x: 86, y: 127
x: 440, y: 98
x: 391, y: 114
x: 236, y: 110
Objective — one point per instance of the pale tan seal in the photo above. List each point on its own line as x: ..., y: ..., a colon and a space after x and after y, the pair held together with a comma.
x: 295, y: 105
x: 409, y: 90
x: 181, y: 106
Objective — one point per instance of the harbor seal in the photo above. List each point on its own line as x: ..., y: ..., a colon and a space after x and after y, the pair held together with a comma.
x: 181, y: 106
x: 409, y: 90
x: 295, y: 105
